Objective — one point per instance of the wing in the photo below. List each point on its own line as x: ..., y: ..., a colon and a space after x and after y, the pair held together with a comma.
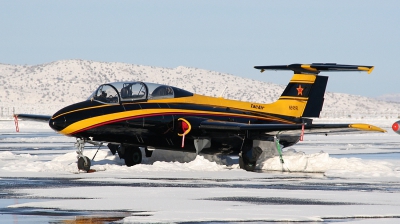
x: 289, y: 128
x: 34, y: 117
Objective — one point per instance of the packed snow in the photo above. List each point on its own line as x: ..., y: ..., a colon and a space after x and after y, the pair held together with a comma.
x: 182, y: 187
x: 295, y: 160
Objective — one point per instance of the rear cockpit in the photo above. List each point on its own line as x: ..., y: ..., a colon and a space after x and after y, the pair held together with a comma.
x: 114, y: 93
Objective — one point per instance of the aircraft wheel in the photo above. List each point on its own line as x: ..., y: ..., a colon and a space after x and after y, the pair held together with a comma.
x: 82, y: 165
x: 248, y: 166
x: 241, y: 163
x: 132, y: 156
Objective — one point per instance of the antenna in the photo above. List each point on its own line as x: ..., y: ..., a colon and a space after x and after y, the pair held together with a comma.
x: 223, y: 92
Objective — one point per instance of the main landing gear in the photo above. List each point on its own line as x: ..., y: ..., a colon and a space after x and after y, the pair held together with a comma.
x: 130, y: 153
x: 132, y: 156
x: 249, y: 155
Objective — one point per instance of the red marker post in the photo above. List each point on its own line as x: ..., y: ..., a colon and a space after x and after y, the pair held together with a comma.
x: 16, y: 123
x: 302, y: 132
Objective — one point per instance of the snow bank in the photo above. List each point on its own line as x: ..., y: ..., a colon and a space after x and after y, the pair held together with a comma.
x: 323, y: 163
x: 104, y: 161
x: 315, y: 161
x: 293, y: 162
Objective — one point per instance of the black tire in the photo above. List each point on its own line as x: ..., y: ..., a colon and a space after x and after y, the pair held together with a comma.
x: 241, y: 163
x: 82, y: 165
x: 132, y: 156
x: 249, y: 155
x: 248, y: 166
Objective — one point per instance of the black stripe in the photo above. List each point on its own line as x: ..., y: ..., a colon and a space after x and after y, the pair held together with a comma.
x: 316, y: 97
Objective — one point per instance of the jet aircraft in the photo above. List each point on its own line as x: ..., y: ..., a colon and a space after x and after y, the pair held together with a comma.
x: 132, y: 114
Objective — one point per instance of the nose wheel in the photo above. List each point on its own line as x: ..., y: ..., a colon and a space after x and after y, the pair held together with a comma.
x: 83, y: 161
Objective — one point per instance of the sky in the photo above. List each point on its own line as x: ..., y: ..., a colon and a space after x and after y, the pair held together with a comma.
x: 225, y: 36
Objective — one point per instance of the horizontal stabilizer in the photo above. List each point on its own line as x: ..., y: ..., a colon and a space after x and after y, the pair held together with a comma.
x: 34, y: 117
x: 316, y: 68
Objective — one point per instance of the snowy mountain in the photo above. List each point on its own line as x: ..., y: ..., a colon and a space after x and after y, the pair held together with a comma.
x: 395, y: 97
x: 47, y: 87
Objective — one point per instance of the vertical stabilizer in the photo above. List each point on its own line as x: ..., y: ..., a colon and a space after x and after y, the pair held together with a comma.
x: 304, y: 95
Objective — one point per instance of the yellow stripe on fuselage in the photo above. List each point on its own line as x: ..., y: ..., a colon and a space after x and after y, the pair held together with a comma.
x: 285, y: 106
x: 108, y: 118
x: 86, y: 108
x: 289, y: 106
x: 293, y: 98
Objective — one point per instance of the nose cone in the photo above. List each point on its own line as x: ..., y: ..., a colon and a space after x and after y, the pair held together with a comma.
x: 58, y: 123
x: 396, y: 127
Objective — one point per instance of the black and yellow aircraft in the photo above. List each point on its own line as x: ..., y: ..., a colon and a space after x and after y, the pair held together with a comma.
x: 129, y: 115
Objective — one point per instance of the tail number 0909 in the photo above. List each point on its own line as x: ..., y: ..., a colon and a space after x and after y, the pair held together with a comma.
x: 293, y: 108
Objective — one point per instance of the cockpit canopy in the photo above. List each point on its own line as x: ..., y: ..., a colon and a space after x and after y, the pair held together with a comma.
x: 135, y: 91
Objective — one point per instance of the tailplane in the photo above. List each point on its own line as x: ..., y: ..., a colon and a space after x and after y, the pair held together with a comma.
x: 304, y: 95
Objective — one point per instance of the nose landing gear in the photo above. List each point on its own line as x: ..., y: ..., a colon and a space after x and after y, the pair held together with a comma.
x: 83, y: 161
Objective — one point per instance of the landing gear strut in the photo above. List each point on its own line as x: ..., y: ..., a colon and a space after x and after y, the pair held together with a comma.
x: 83, y: 161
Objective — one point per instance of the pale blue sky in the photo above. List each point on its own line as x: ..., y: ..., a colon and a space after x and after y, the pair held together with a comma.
x: 223, y: 36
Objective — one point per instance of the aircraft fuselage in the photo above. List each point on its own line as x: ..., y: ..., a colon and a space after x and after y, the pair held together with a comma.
x: 156, y: 124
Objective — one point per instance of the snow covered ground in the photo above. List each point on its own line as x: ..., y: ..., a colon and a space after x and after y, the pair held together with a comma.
x: 341, y: 178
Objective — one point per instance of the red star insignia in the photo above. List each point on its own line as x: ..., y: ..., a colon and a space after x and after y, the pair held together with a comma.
x: 300, y: 91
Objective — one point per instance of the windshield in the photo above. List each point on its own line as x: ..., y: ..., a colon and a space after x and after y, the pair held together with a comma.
x: 106, y: 94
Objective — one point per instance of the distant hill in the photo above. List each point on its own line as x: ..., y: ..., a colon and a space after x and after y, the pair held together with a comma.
x: 47, y: 87
x: 395, y: 97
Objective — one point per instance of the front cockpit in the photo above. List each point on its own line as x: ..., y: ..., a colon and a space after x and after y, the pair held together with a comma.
x: 120, y: 92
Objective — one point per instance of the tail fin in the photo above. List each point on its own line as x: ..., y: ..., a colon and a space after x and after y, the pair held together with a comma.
x: 304, y: 95
x: 305, y: 92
